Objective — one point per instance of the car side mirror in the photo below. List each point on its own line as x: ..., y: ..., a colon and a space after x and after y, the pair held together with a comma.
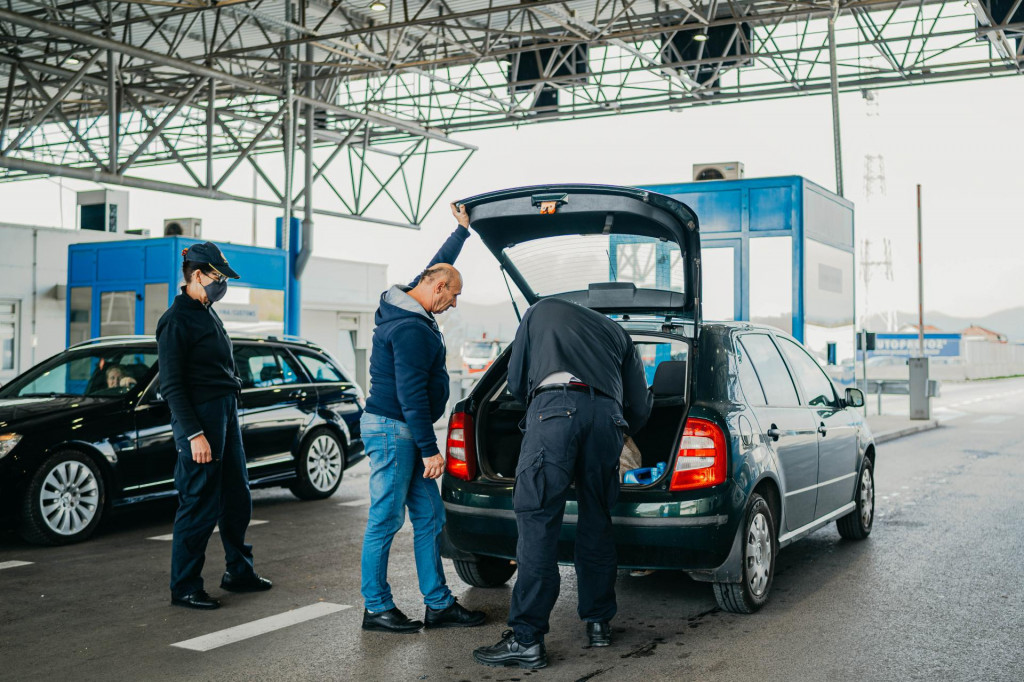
x: 854, y: 397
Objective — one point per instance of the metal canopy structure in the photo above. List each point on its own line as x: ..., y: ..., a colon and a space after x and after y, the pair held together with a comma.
x: 374, y: 91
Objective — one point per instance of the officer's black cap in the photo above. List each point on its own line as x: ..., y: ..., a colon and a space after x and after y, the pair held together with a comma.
x: 208, y: 253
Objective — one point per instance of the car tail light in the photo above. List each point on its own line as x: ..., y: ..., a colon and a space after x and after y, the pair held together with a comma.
x: 702, y: 454
x: 461, y: 459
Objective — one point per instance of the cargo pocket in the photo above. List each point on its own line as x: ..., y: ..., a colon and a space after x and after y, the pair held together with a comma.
x: 555, y: 412
x: 529, y: 486
x: 620, y: 422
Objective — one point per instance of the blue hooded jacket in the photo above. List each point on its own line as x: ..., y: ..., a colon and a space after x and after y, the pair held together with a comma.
x: 408, y: 377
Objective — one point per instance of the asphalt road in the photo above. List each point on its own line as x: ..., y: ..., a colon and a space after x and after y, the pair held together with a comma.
x: 934, y: 593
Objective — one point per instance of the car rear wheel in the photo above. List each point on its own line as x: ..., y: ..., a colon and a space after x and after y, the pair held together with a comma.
x: 320, y: 466
x: 64, y: 500
x: 485, y: 571
x: 857, y: 524
x: 760, y: 545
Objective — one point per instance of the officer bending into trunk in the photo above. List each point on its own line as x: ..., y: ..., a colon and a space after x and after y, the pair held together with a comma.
x: 197, y: 378
x: 582, y: 378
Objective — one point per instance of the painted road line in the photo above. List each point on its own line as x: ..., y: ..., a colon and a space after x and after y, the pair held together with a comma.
x: 994, y: 419
x: 13, y: 564
x: 354, y: 503
x: 170, y: 536
x: 260, y: 627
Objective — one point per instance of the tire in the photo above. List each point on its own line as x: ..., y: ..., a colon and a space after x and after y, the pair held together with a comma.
x: 760, y: 547
x: 857, y: 524
x: 485, y: 571
x: 320, y: 466
x: 64, y: 500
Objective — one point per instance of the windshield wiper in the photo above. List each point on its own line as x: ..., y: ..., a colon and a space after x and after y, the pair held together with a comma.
x: 48, y: 395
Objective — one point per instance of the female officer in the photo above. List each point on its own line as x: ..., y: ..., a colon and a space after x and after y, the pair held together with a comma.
x: 197, y: 378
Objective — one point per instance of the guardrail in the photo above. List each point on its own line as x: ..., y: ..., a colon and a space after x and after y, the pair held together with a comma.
x: 882, y: 387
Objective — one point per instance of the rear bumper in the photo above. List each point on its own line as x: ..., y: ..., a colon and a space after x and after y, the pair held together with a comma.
x: 695, y: 534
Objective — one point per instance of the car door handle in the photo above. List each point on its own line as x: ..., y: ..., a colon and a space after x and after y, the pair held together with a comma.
x: 297, y: 393
x: 774, y: 432
x: 821, y: 429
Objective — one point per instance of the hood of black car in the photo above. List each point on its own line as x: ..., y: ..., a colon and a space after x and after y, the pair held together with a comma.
x: 37, y: 412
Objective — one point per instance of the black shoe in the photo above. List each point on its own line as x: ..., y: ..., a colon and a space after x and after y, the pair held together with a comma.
x: 455, y: 616
x: 599, y: 634
x: 249, y: 583
x: 392, y: 620
x: 511, y: 652
x: 197, y: 600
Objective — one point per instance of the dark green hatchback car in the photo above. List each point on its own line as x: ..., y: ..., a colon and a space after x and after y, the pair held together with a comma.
x: 756, y: 446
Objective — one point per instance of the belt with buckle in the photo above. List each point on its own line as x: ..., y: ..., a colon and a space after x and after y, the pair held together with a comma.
x: 572, y: 386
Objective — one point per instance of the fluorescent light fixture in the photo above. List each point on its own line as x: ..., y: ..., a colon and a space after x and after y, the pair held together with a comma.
x: 72, y: 61
x: 700, y: 37
x: 378, y: 6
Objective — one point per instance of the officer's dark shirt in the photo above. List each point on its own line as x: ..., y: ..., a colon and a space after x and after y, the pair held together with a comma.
x: 558, y: 336
x: 196, y: 361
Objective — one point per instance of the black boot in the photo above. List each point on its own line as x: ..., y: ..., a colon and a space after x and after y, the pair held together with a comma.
x: 509, y: 651
x: 455, y: 616
x: 599, y: 634
x: 392, y: 620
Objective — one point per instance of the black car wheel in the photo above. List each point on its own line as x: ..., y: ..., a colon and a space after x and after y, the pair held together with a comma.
x: 760, y: 545
x: 485, y: 571
x: 857, y: 524
x: 64, y: 500
x: 320, y: 466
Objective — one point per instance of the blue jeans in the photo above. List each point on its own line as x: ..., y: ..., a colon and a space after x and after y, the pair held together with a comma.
x: 396, y: 482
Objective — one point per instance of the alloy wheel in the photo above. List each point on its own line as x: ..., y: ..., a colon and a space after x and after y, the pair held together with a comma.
x: 867, y: 497
x: 323, y: 463
x: 69, y: 497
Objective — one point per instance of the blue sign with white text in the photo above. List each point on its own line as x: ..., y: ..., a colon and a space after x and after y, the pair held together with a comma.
x: 907, y: 345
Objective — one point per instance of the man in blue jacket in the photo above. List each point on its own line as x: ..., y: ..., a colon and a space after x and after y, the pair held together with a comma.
x: 408, y: 393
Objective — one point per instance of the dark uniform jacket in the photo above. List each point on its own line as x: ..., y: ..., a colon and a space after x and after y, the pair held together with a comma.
x: 558, y: 336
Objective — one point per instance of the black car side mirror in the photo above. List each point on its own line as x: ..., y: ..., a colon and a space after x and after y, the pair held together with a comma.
x: 854, y: 397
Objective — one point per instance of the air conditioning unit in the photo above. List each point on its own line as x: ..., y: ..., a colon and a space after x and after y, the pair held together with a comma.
x: 183, y: 227
x: 717, y: 171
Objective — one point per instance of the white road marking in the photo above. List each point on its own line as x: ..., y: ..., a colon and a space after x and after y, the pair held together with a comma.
x: 994, y: 419
x: 170, y: 536
x: 13, y: 564
x: 354, y: 503
x: 260, y: 627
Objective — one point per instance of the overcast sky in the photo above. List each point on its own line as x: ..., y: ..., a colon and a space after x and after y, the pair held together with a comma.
x: 961, y: 141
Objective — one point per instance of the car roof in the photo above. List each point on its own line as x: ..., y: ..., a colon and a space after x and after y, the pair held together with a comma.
x: 129, y: 339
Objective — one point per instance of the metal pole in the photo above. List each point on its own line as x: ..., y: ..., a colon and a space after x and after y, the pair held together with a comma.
x: 113, y: 120
x: 920, y: 282
x: 211, y: 117
x: 286, y: 222
x: 6, y: 115
x: 835, y: 96
x: 254, y: 178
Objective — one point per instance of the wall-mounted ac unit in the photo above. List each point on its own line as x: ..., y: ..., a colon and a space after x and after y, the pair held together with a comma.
x: 717, y: 171
x: 183, y: 227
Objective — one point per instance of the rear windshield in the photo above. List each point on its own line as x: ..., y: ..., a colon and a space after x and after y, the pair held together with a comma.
x: 555, y: 265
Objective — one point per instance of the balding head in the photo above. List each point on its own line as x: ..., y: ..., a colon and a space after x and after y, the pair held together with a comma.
x: 438, y: 289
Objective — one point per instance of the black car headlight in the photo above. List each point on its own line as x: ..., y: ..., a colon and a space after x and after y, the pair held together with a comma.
x: 7, y: 443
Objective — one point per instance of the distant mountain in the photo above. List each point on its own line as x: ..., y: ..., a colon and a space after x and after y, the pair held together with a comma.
x: 1009, y: 322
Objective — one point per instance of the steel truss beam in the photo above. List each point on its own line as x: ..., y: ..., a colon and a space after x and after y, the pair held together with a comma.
x: 190, y: 84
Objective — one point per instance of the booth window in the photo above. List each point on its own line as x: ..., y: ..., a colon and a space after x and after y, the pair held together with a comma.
x: 155, y: 305
x: 8, y: 335
x: 117, y: 313
x: 80, y: 315
x: 771, y: 282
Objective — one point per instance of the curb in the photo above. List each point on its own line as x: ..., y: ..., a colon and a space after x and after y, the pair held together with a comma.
x: 906, y: 431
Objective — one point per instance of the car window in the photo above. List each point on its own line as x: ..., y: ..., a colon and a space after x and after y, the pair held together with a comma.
x: 320, y: 369
x: 654, y: 350
x: 817, y: 387
x: 749, y: 382
x: 260, y: 366
x: 102, y: 371
x: 771, y: 370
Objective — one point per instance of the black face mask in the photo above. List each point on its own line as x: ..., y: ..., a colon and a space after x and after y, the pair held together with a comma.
x: 215, y: 290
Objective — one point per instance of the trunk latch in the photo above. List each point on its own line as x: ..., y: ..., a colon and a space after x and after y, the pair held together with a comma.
x: 549, y: 202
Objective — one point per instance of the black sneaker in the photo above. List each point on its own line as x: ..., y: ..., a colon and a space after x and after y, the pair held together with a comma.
x: 392, y: 620
x: 509, y: 651
x: 455, y: 616
x: 599, y: 634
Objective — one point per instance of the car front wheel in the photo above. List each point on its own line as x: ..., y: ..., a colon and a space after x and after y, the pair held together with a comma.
x: 857, y: 524
x: 760, y: 545
x: 320, y: 466
x: 64, y: 500
x: 485, y: 571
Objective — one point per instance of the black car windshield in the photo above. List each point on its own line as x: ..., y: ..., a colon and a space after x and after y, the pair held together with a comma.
x: 86, y: 372
x: 556, y: 265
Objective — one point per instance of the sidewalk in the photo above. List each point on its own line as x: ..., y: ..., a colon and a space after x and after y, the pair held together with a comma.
x: 886, y: 427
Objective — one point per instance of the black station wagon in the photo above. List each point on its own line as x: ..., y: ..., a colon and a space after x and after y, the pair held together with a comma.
x: 756, y: 446
x: 88, y: 429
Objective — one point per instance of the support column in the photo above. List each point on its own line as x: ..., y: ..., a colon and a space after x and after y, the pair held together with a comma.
x: 836, y: 130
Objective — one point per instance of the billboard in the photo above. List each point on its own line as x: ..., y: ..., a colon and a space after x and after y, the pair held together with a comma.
x: 907, y: 345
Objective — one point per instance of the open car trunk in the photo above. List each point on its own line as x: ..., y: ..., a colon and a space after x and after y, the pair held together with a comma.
x: 498, y: 414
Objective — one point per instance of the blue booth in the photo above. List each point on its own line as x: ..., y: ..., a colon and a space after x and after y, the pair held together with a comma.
x: 124, y: 287
x: 778, y: 251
